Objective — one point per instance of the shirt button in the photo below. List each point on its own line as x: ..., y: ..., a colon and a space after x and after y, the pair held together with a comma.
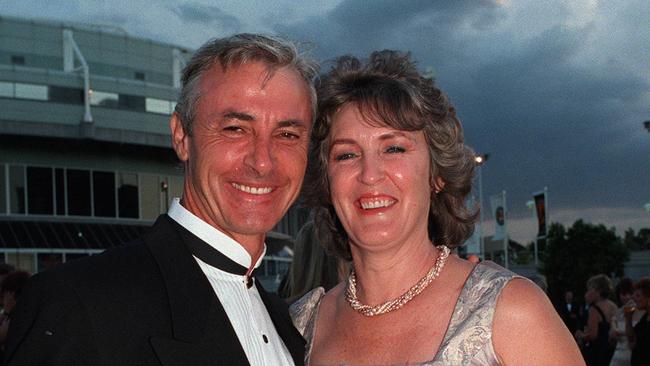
x: 266, y: 340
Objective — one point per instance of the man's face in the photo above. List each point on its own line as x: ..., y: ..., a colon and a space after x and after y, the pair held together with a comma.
x: 246, y: 157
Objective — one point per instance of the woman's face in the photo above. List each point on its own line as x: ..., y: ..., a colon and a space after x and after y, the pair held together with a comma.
x: 591, y: 295
x: 379, y: 181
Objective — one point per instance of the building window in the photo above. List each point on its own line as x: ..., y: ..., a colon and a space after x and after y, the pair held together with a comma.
x: 6, y: 89
x: 17, y: 189
x: 59, y: 188
x: 132, y: 102
x: 104, y: 193
x: 127, y: 195
x: 17, y: 60
x: 139, y: 75
x: 3, y: 190
x: 104, y: 99
x: 161, y: 106
x: 60, y: 94
x: 40, y: 193
x: 150, y: 194
x: 31, y: 91
x: 78, y: 188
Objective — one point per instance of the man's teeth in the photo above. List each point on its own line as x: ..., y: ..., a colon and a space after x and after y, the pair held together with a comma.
x: 376, y: 204
x: 252, y: 190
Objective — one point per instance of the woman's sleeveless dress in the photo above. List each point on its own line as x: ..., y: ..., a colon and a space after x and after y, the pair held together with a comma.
x: 468, y: 339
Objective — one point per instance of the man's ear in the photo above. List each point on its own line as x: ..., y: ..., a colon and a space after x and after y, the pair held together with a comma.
x: 180, y: 140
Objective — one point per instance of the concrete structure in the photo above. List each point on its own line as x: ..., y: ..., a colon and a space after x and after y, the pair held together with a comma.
x: 85, y: 154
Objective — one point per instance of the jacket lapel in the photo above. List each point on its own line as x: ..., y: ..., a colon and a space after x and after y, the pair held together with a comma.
x: 279, y: 312
x: 202, y: 332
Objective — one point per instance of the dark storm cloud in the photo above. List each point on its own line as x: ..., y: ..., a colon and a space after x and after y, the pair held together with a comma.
x: 206, y: 14
x: 535, y: 108
x: 355, y: 27
x: 547, y: 117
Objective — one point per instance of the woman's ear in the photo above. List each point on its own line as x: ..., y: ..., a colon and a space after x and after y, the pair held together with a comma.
x: 438, y: 185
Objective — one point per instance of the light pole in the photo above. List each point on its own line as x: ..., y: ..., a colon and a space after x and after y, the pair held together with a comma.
x: 480, y: 160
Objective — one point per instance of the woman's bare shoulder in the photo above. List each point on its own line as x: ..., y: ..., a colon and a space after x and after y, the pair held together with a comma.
x: 528, y: 330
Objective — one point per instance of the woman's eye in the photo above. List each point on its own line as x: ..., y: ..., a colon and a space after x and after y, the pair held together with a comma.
x: 395, y: 150
x: 344, y: 156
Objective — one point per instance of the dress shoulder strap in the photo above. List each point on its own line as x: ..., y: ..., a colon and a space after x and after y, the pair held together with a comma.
x: 599, y: 310
x: 468, y: 339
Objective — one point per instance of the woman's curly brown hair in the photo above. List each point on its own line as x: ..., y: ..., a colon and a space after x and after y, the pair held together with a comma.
x: 389, y: 91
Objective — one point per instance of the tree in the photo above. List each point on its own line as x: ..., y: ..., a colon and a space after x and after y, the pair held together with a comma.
x: 639, y: 241
x: 582, y: 251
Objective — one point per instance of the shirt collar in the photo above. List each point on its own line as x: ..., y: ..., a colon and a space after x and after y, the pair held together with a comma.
x: 212, y: 236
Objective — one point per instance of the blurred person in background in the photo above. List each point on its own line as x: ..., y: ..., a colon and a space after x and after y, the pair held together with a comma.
x: 597, y: 349
x: 624, y: 292
x: 312, y: 266
x: 570, y: 311
x: 10, y: 289
x: 639, y: 335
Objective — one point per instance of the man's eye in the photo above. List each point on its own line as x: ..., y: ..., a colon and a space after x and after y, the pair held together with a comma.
x: 344, y: 156
x: 395, y: 150
x: 232, y: 128
x: 289, y: 135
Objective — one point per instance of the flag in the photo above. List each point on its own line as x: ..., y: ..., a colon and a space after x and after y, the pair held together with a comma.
x: 498, y: 203
x: 540, y: 210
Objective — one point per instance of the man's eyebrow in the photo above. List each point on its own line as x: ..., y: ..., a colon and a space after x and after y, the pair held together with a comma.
x: 238, y: 115
x: 291, y: 123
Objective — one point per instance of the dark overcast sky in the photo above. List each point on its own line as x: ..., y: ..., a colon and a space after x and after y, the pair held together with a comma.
x: 556, y: 91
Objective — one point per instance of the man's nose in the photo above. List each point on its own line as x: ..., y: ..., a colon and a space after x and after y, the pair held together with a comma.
x: 260, y: 156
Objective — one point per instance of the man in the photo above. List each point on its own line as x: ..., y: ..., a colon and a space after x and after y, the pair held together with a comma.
x: 570, y: 312
x: 185, y: 294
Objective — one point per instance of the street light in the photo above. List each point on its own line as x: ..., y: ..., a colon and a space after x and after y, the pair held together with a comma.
x: 480, y: 160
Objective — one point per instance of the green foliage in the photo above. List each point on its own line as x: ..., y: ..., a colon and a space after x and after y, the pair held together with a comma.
x: 582, y: 251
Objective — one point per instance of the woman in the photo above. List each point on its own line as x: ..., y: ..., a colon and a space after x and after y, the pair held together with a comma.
x: 624, y: 291
x: 639, y: 335
x: 390, y: 176
x: 597, y: 348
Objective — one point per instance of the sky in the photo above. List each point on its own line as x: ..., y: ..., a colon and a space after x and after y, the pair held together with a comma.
x: 555, y: 91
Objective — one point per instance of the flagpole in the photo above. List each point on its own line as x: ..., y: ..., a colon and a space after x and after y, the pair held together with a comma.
x: 505, y: 229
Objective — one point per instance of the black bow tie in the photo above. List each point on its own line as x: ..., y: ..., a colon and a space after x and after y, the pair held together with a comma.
x: 211, y: 256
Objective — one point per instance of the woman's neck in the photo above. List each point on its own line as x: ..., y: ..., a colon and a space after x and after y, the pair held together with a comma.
x: 385, y: 275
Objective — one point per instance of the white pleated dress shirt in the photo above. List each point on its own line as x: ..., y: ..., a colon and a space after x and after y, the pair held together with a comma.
x: 244, y: 306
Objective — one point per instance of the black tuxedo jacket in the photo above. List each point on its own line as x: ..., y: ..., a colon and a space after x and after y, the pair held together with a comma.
x: 146, y: 303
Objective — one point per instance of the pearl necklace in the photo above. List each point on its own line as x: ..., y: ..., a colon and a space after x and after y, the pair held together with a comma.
x: 397, y: 303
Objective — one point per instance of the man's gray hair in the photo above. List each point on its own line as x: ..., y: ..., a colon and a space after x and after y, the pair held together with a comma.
x: 235, y: 51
